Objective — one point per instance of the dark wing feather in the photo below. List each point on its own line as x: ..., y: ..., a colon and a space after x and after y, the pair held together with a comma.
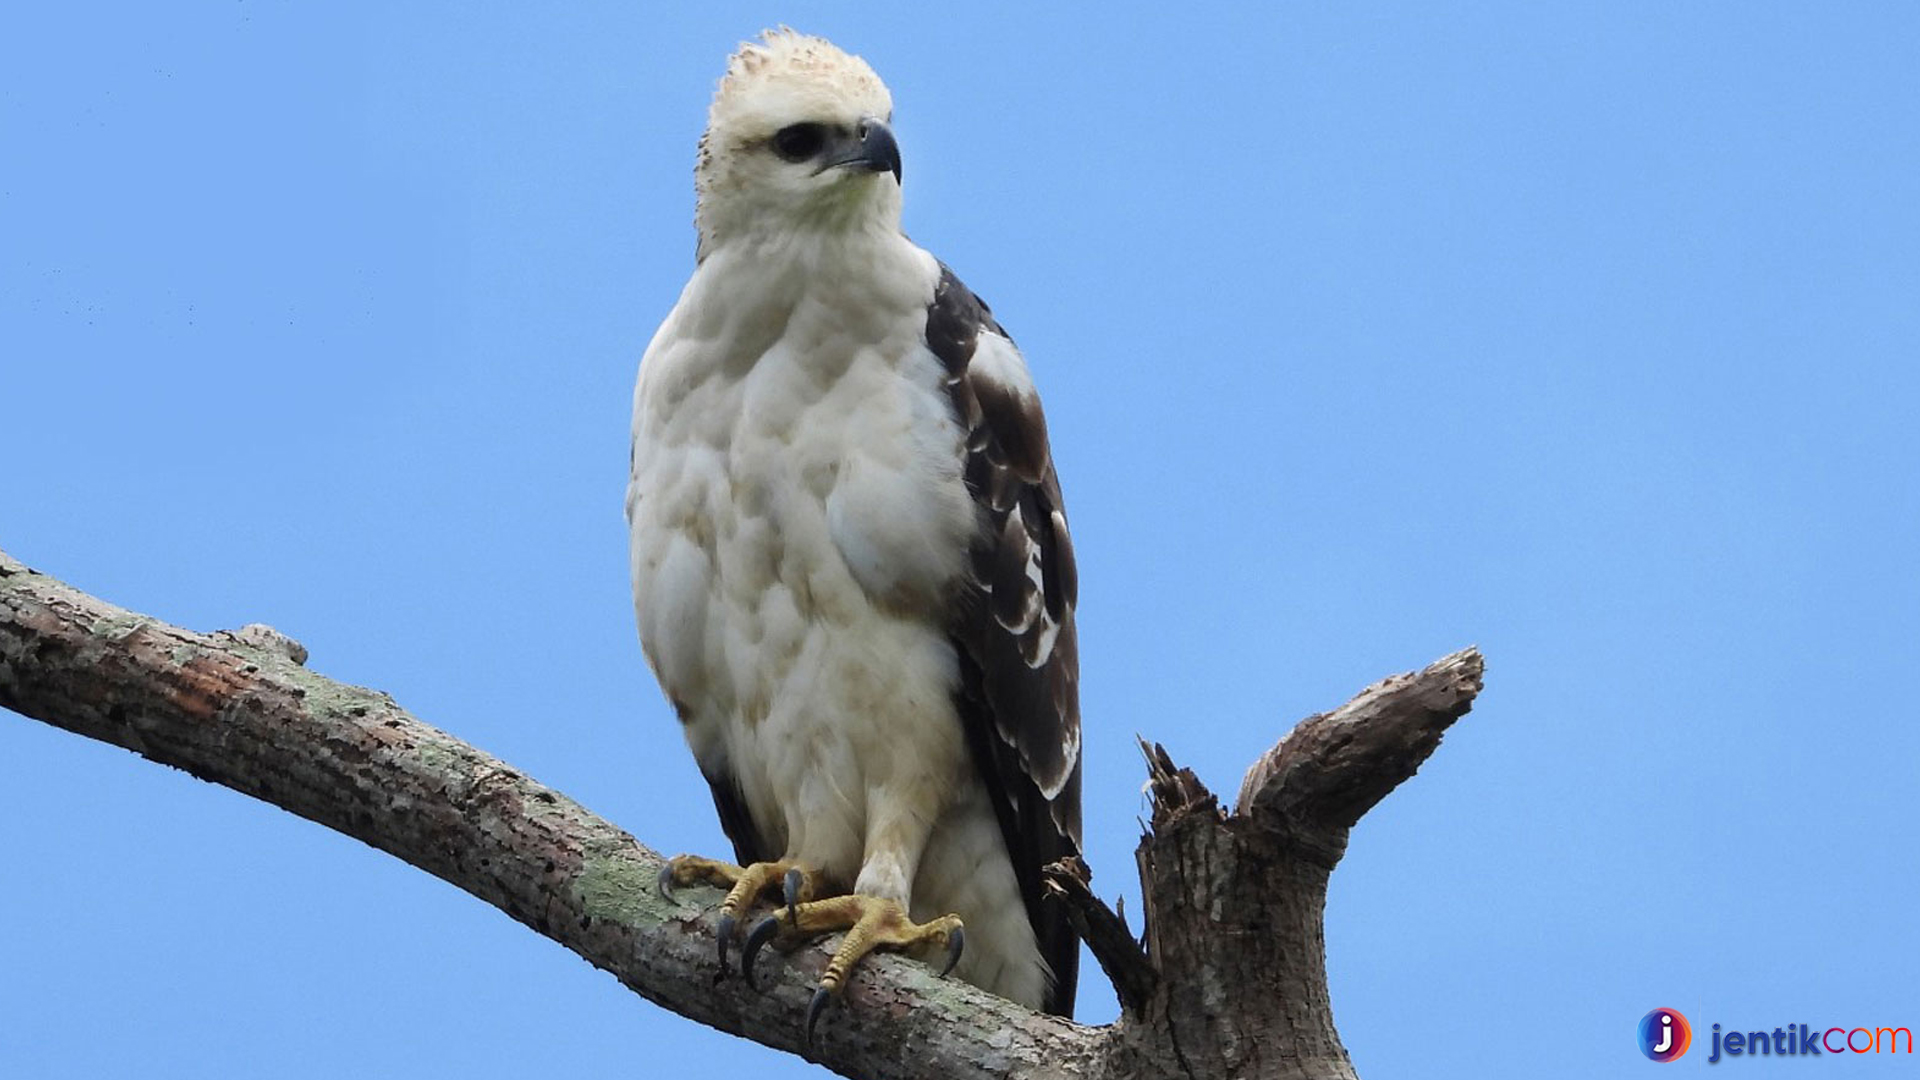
x: 1019, y: 661
x: 748, y: 845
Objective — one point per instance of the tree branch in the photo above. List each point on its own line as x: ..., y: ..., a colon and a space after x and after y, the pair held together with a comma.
x: 237, y: 709
x: 1236, y: 902
x: 1334, y: 767
x: 1105, y: 932
x: 1232, y: 982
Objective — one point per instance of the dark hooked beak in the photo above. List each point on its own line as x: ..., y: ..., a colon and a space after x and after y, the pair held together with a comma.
x: 871, y: 148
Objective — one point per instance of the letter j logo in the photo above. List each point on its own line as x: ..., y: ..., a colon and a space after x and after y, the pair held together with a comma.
x: 1665, y: 1035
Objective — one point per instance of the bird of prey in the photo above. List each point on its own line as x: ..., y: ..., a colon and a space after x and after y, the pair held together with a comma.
x: 851, y: 566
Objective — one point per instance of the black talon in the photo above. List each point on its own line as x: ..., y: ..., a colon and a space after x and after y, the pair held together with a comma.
x: 793, y: 883
x: 763, y: 932
x: 664, y: 883
x: 956, y: 944
x: 814, y: 1008
x: 726, y: 935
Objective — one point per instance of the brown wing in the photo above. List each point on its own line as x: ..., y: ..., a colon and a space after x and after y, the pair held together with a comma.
x: 1019, y: 662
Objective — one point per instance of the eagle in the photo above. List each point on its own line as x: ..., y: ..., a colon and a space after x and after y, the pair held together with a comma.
x: 851, y: 567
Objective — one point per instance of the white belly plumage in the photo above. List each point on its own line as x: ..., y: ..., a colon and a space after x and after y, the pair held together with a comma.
x: 799, y: 521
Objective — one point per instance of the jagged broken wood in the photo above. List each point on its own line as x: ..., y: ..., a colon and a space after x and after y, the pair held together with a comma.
x: 1229, y: 982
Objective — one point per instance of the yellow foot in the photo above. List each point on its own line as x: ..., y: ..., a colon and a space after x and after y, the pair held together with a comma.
x: 744, y: 885
x: 870, y: 922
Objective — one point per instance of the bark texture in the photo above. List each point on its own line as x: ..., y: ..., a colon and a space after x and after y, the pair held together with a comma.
x: 1230, y: 982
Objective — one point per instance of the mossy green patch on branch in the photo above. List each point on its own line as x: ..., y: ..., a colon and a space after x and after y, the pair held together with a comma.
x: 618, y: 885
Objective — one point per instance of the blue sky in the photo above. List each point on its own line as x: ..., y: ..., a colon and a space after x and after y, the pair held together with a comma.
x: 1586, y: 333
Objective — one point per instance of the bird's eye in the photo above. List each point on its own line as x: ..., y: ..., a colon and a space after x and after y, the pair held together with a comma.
x: 798, y: 142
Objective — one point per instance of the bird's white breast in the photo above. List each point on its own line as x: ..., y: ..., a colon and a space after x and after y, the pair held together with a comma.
x: 798, y: 520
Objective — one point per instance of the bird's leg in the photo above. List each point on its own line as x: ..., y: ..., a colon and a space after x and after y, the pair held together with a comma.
x: 744, y: 885
x: 871, y: 922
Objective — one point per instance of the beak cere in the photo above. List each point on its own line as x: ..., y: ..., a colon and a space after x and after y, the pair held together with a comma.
x: 871, y: 148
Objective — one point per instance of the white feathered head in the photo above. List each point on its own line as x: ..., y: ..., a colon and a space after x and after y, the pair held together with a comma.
x: 798, y: 139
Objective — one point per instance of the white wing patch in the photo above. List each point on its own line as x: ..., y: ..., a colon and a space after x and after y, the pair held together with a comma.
x: 997, y: 362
